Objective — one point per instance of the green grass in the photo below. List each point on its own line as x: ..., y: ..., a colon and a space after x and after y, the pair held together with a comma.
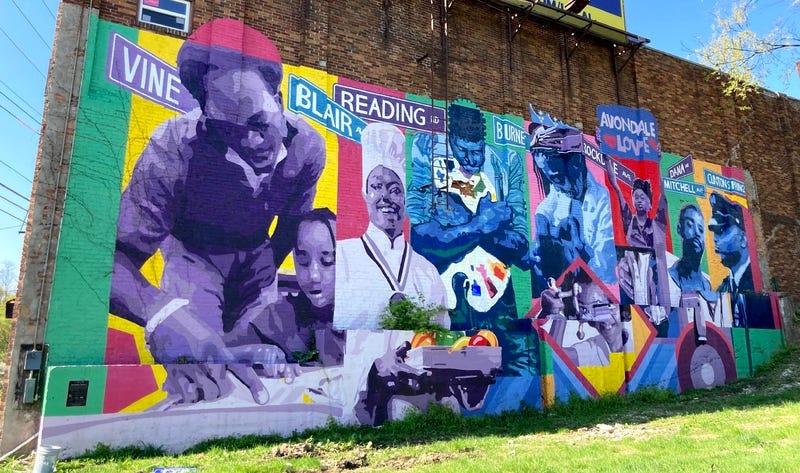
x: 749, y: 425
x: 5, y: 337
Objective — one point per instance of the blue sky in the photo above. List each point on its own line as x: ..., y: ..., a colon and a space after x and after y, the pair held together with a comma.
x: 26, y: 34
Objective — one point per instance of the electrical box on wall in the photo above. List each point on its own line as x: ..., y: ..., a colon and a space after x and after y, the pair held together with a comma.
x: 33, y: 360
x: 29, y: 391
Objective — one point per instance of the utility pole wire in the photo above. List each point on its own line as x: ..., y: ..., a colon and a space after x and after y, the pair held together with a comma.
x: 35, y: 120
x: 12, y: 215
x: 46, y: 45
x: 17, y: 172
x: 14, y: 192
x: 23, y: 53
x: 13, y: 203
x: 21, y: 121
x: 35, y: 110
x: 49, y: 10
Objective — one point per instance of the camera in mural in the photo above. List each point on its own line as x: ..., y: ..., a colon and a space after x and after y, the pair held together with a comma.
x: 409, y: 376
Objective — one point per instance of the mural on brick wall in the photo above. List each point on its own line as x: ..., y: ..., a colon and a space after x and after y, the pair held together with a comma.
x: 267, y: 214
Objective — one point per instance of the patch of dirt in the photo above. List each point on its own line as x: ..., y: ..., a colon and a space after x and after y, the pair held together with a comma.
x: 406, y: 462
x: 353, y: 459
x: 295, y: 450
x: 612, y: 432
x: 331, y: 458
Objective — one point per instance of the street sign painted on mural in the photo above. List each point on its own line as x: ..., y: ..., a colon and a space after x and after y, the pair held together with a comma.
x: 625, y: 132
x: 144, y: 74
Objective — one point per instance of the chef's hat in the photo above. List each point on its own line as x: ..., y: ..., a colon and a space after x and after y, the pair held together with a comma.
x: 384, y: 145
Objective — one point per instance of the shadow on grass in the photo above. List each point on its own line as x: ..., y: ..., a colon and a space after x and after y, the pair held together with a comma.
x: 774, y: 383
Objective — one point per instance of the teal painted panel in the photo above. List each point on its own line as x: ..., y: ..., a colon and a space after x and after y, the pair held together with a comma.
x: 79, y: 300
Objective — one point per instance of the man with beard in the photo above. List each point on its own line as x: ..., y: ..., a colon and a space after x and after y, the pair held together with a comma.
x: 380, y: 266
x: 204, y: 193
x: 690, y: 288
x: 730, y: 243
x: 686, y: 273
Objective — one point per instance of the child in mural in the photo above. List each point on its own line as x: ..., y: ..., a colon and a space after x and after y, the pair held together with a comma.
x: 301, y: 322
x: 380, y: 266
x: 640, y: 229
x: 468, y: 212
x: 637, y: 261
x: 574, y: 219
x: 204, y: 193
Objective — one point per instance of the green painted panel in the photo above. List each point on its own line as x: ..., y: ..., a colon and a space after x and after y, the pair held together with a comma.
x: 761, y: 345
x: 56, y: 390
x: 79, y: 300
x: 675, y: 202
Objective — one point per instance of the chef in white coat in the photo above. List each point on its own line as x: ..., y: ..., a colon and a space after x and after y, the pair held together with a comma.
x: 380, y: 265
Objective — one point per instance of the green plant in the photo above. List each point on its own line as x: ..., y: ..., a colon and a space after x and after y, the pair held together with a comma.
x: 5, y: 338
x: 412, y: 314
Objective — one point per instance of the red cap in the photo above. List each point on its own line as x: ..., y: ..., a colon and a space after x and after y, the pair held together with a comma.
x: 236, y: 36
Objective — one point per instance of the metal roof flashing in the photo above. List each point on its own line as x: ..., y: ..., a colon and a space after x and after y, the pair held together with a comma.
x: 575, y: 21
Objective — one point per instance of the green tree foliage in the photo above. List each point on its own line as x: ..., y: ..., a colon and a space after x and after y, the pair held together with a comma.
x: 743, y: 57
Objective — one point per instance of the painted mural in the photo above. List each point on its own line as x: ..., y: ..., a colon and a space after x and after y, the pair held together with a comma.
x: 264, y: 215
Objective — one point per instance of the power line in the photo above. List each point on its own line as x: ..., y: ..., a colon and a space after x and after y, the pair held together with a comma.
x: 46, y: 45
x: 14, y: 192
x: 21, y: 121
x: 35, y: 120
x: 49, y: 10
x: 17, y: 172
x: 13, y: 203
x: 35, y: 110
x: 12, y: 215
x: 23, y: 53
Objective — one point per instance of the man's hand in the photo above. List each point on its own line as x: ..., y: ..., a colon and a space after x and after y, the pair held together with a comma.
x: 390, y: 367
x: 195, y: 358
x: 511, y: 247
x: 570, y: 234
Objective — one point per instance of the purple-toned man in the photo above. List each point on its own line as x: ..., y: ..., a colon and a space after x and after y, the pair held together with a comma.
x: 204, y: 192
